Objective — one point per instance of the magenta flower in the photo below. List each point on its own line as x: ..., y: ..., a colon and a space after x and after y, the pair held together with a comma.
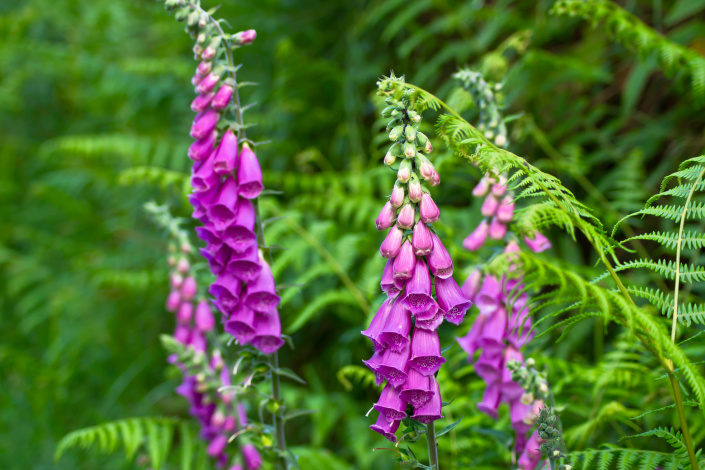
x: 224, y: 208
x: 245, y: 266
x: 386, y: 217
x: 539, y: 243
x: 490, y: 401
x: 253, y: 460
x: 201, y: 102
x: 203, y: 177
x: 377, y: 324
x: 482, y: 187
x: 172, y: 302
x: 185, y: 313
x: 451, y: 300
x: 392, y: 365
x: 417, y: 389
x: 418, y: 290
x: 268, y: 333
x: 189, y: 288
x: 395, y: 332
x: 240, y: 234
x: 241, y: 324
x: 397, y: 197
x: 405, y: 262
x: 531, y: 457
x: 392, y: 243
x: 492, y: 339
x: 510, y: 390
x: 203, y: 68
x: 387, y: 282
x: 433, y: 319
x: 476, y: 239
x: 204, y: 123
x: 489, y: 206
x: 428, y: 210
x: 405, y: 218
x: 505, y: 211
x: 426, y: 352
x: 472, y: 284
x: 222, y: 98
x: 390, y: 405
x: 208, y: 82
x: 415, y: 191
x: 497, y: 229
x: 431, y: 410
x: 217, y: 445
x: 225, y: 157
x: 386, y: 428
x: 488, y: 366
x: 521, y: 416
x: 202, y: 148
x: 373, y: 364
x: 487, y: 300
x: 421, y: 240
x: 245, y: 37
x: 249, y: 174
x: 261, y: 293
x: 204, y: 317
x: 227, y: 290
x: 439, y: 261
x: 470, y: 342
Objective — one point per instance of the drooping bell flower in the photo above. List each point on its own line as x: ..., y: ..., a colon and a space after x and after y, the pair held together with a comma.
x: 390, y: 405
x: 497, y: 229
x: 487, y: 300
x: 208, y: 234
x: 477, y: 238
x: 241, y: 415
x: 392, y: 243
x: 387, y: 282
x: 209, y: 82
x: 421, y: 240
x: 222, y: 98
x: 431, y: 410
x: 245, y: 266
x: 386, y: 217
x: 392, y: 365
x: 207, y: 198
x: 505, y: 211
x: 225, y: 157
x: 427, y: 170
x: 428, y: 210
x: 253, y: 460
x: 531, y: 457
x: 373, y: 364
x: 241, y: 324
x: 405, y: 262
x: 225, y: 206
x: 492, y: 339
x: 489, y: 206
x: 521, y: 416
x: 227, y: 289
x: 482, y: 187
x: 203, y: 176
x: 189, y: 288
x: 472, y: 284
x: 182, y: 334
x: 204, y: 317
x: 386, y: 428
x: 172, y: 302
x: 489, y: 367
x: 198, y: 341
x: 214, y: 262
x: 203, y: 68
x: 204, y: 123
x: 395, y: 332
x: 538, y: 243
x: 490, y: 400
x: 439, y: 261
x: 268, y: 333
x: 249, y: 174
x: 240, y: 234
x: 201, y: 102
x: 470, y: 342
x: 261, y: 293
x: 217, y: 445
x: 451, y: 300
x: 377, y: 324
x: 405, y: 218
x: 426, y: 352
x: 500, y: 187
x: 418, y: 290
x: 432, y: 318
x: 397, y: 197
x: 521, y: 334
x: 417, y: 390
x: 185, y: 313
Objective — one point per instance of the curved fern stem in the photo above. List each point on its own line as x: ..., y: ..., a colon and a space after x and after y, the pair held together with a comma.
x: 432, y: 449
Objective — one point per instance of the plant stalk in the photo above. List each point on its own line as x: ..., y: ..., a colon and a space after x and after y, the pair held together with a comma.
x: 432, y: 449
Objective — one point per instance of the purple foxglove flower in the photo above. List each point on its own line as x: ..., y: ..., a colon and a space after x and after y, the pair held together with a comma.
x: 390, y: 405
x: 426, y: 352
x: 431, y: 410
x: 493, y: 333
x: 489, y: 206
x: 511, y: 390
x: 208, y: 82
x: 373, y: 363
x: 427, y: 170
x: 377, y: 324
x: 225, y: 157
x: 215, y: 261
x: 531, y: 457
x: 393, y: 364
x: 415, y: 191
x: 395, y: 332
x: 470, y: 342
x: 489, y: 367
x: 204, y: 124
x: 391, y: 246
x: 201, y: 102
x: 439, y: 261
x: 173, y: 301
x: 386, y: 428
x: 224, y: 209
x: 418, y: 290
x: 520, y: 335
x: 222, y: 98
x: 521, y: 416
x: 237, y: 466
x: 241, y: 415
x: 198, y: 341
x: 189, y: 288
x: 217, y: 445
x: 241, y: 324
x: 185, y: 313
x: 268, y: 332
x: 490, y: 401
x: 204, y: 317
x: 482, y: 187
x: 262, y: 293
x: 472, y: 284
x: 249, y: 174
x: 405, y: 218
x: 240, y: 234
x: 387, y: 282
x: 499, y: 188
x: 476, y: 239
x: 505, y: 211
x: 428, y: 210
x: 430, y: 322
x: 385, y: 219
x: 245, y: 37
x: 539, y: 243
x: 206, y: 198
x: 182, y: 334
x: 229, y: 424
x: 245, y: 266
x: 204, y: 68
x: 202, y: 148
x: 405, y: 262
x: 397, y: 197
x: 196, y: 79
x: 487, y: 300
x: 421, y: 240
x: 451, y: 300
x: 203, y: 178
x: 208, y: 235
x: 227, y: 289
x: 253, y: 460
x: 417, y: 389
x: 497, y: 229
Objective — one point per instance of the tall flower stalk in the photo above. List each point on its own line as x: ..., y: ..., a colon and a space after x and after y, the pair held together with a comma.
x: 407, y: 350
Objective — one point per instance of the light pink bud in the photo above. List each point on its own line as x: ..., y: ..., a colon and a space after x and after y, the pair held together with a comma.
x: 203, y: 68
x: 505, y: 211
x: 539, y: 243
x: 172, y: 302
x: 497, y: 229
x: 189, y: 288
x: 405, y: 262
x: 472, y: 284
x: 477, y: 238
x: 501, y: 187
x: 225, y: 157
x: 201, y: 102
x: 428, y: 210
x: 489, y: 206
x: 415, y: 191
x: 405, y: 219
x: 196, y: 80
x: 397, y: 197
x: 185, y: 313
x: 245, y: 37
x: 428, y: 148
x: 421, y: 239
x: 392, y: 243
x: 204, y: 317
x: 386, y: 217
x: 222, y: 99
x: 404, y: 173
x: 482, y: 187
x: 183, y: 265
x: 176, y: 280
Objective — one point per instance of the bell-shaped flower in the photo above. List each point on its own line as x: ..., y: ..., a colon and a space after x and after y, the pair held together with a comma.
x: 241, y: 416
x: 489, y: 206
x: 249, y: 174
x: 505, y: 211
x: 217, y: 445
x: 241, y: 324
x: 451, y: 300
x: 173, y: 301
x: 521, y: 333
x: 470, y: 342
x: 392, y: 243
x: 490, y: 400
x: 497, y: 229
x: 538, y: 243
x: 208, y: 197
x: 428, y: 210
x: 209, y: 235
x: 176, y: 280
x: 377, y: 325
x: 198, y: 341
x: 386, y: 217
x: 245, y: 266
x: 373, y: 364
x: 489, y: 367
x: 531, y: 457
x: 250, y: 454
x: 200, y: 149
x: 431, y: 410
x: 189, y: 288
x: 482, y: 187
x: 386, y: 428
x: 439, y: 261
x: 227, y: 289
x: 261, y: 293
x: 387, y: 283
x: 430, y: 322
x: 472, y: 284
x: 405, y: 218
x: 418, y: 290
x: 185, y: 313
x: 417, y: 390
x: 201, y: 102
x: 488, y: 298
x: 268, y: 332
x: 182, y: 334
x: 415, y: 191
x: 421, y: 240
x: 395, y: 332
x: 224, y: 209
x: 390, y: 405
x: 477, y: 238
x: 225, y: 158
x: 397, y: 197
x: 493, y: 333
x: 204, y: 317
x: 405, y: 262
x: 208, y: 83
x: 393, y: 365
x: 216, y: 266
x: 240, y: 233
x: 222, y: 98
x: 519, y: 413
x: 204, y: 123
x: 500, y: 187
x: 204, y: 68
x: 203, y: 177
x: 426, y: 352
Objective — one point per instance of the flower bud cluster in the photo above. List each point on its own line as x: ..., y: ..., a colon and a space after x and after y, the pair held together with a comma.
x: 403, y: 332
x: 485, y: 96
x: 550, y: 436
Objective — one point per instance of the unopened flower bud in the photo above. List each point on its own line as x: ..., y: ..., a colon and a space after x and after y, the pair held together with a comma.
x: 212, y: 48
x: 193, y: 18
x: 409, y: 150
x: 414, y: 116
x: 389, y: 159
x: 395, y: 133
x: 405, y: 219
x: 189, y: 288
x: 397, y: 197
x: 386, y: 217
x: 543, y: 388
x: 500, y: 140
x: 556, y: 453
x: 489, y: 206
x: 186, y: 248
x: 404, y: 173
x: 527, y: 398
x: 428, y: 148
x: 387, y: 112
x: 222, y: 98
x: 203, y: 68
x: 244, y: 37
x: 530, y: 362
x: 482, y: 187
x: 202, y: 21
x: 499, y: 188
x: 183, y: 265
x: 429, y: 210
x: 415, y: 191
x: 497, y: 229
x: 171, y: 261
x: 427, y: 170
x: 410, y: 134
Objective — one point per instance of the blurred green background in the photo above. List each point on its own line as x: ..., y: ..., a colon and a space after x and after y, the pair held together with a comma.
x: 94, y: 120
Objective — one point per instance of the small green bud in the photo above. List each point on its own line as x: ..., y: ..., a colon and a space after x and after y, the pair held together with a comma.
x: 193, y: 19
x: 387, y: 112
x: 404, y: 173
x: 389, y: 159
x: 181, y: 15
x: 530, y: 362
x: 396, y: 113
x: 556, y: 453
x: 396, y: 133
x: 414, y: 116
x: 409, y: 150
x: 410, y: 134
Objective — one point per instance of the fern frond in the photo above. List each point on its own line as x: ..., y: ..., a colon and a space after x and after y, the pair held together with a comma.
x: 666, y: 268
x: 674, y: 438
x: 626, y: 459
x: 691, y: 239
x: 359, y: 374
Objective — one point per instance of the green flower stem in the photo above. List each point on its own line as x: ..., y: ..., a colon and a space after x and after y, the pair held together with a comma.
x: 432, y: 449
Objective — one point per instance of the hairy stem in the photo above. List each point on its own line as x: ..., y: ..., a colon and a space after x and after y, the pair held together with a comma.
x: 432, y: 449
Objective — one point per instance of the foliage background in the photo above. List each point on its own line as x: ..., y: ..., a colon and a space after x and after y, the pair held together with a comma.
x: 95, y: 116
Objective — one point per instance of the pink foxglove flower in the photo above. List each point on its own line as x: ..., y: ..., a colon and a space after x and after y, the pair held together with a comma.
x: 431, y: 410
x: 261, y: 293
x: 245, y: 37
x: 204, y: 317
x: 395, y: 332
x: 476, y: 239
x: 377, y: 325
x: 250, y: 454
x: 249, y: 174
x: 489, y: 207
x: 439, y: 261
x: 405, y: 218
x: 451, y: 299
x: 386, y: 217
x: 405, y: 262
x: 268, y: 332
x: 490, y: 401
x: 241, y: 324
x: 539, y: 243
x: 390, y: 405
x: 225, y: 157
x: 421, y: 240
x: 497, y: 229
x: 204, y: 123
x: 392, y: 243
x: 426, y: 352
x: 428, y: 210
x: 393, y: 365
x: 418, y: 389
x: 386, y: 428
x: 221, y: 99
